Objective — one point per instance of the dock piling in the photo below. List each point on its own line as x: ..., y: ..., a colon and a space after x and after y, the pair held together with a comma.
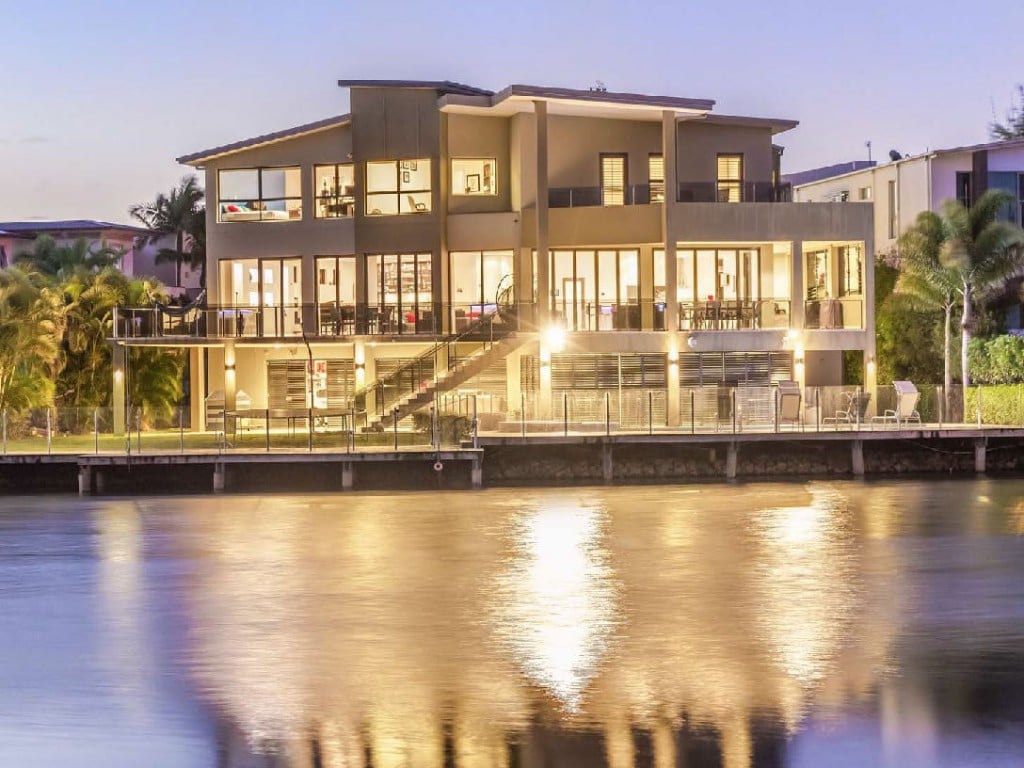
x: 980, y: 445
x: 857, y: 457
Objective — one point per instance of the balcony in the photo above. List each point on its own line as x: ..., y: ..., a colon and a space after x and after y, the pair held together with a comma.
x: 738, y: 315
x: 834, y: 314
x: 749, y: 192
x: 588, y: 197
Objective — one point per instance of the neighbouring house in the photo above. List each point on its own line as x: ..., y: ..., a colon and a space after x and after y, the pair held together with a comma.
x: 904, y: 187
x: 626, y: 243
x: 138, y: 260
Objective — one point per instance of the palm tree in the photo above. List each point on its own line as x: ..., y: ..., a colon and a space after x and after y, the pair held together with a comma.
x: 983, y: 252
x: 175, y: 214
x: 31, y: 318
x: 930, y: 284
x: 60, y: 262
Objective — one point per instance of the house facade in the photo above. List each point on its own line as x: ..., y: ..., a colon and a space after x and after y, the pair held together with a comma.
x: 901, y: 189
x: 614, y: 242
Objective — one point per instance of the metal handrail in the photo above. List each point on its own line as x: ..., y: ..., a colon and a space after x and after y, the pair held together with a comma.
x: 502, y: 301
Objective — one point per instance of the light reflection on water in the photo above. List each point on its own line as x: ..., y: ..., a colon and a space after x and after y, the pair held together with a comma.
x: 774, y: 624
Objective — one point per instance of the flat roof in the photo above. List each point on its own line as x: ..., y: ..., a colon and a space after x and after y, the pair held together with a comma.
x: 197, y: 158
x: 442, y: 86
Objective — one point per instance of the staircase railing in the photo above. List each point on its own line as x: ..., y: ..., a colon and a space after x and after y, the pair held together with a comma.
x: 406, y: 379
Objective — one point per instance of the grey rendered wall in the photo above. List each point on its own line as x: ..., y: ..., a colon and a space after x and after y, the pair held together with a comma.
x: 700, y: 143
x: 576, y: 143
x: 481, y: 137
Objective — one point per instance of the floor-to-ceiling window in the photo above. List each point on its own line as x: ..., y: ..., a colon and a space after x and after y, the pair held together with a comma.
x: 596, y: 290
x: 261, y: 297
x: 336, y: 295
x: 476, y: 279
x: 718, y: 288
x: 400, y: 293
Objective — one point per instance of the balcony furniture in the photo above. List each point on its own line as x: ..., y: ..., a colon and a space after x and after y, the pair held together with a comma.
x: 789, y: 403
x: 417, y: 207
x: 853, y: 411
x: 906, y: 404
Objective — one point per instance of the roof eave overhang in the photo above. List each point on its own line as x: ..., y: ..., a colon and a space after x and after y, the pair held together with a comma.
x: 198, y: 159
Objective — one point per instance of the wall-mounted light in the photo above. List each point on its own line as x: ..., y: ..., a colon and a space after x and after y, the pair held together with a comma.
x: 118, y: 375
x: 871, y: 365
x: 692, y: 342
x: 360, y: 365
x: 229, y: 367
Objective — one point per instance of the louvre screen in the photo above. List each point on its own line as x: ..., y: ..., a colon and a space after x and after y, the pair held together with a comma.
x: 288, y: 385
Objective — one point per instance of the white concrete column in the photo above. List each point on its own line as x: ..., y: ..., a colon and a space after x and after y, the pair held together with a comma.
x: 857, y: 458
x: 672, y: 396
x: 668, y: 233
x: 197, y: 388
x: 118, y: 355
x: 979, y: 455
x: 347, y: 475
x: 731, y: 460
x: 543, y: 259
x: 796, y: 286
x: 230, y: 376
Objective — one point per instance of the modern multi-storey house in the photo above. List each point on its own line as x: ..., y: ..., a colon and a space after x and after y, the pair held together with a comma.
x: 613, y: 241
x: 904, y: 187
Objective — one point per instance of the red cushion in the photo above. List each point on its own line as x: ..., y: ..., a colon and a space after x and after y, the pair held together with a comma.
x: 233, y: 209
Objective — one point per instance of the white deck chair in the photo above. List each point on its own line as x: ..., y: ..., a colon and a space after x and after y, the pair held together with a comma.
x: 789, y: 403
x: 906, y: 404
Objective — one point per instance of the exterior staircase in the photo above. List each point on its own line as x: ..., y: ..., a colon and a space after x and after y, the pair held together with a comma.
x: 464, y: 370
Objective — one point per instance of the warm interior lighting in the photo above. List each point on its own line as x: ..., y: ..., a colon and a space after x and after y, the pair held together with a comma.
x: 554, y: 338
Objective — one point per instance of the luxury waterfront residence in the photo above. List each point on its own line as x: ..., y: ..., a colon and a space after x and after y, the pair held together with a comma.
x: 517, y: 244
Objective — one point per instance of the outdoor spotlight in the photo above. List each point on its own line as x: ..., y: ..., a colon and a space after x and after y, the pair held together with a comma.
x: 792, y: 334
x: 118, y: 375
x: 554, y: 338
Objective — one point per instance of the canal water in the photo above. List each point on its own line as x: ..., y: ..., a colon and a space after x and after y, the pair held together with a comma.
x: 827, y: 623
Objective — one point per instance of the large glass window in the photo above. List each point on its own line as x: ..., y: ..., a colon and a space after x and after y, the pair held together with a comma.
x: 259, y: 194
x: 596, y: 290
x: 718, y: 288
x: 336, y: 294
x: 730, y: 178
x: 397, y: 187
x: 260, y: 297
x: 334, y: 188
x: 477, y: 279
x: 400, y: 292
x: 476, y: 176
x: 851, y: 269
x: 613, y: 179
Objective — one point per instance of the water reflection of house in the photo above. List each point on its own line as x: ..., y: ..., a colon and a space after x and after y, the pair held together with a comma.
x: 368, y: 636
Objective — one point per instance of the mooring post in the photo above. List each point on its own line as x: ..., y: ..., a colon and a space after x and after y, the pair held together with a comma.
x: 980, y: 445
x: 731, y: 459
x: 607, y: 465
x: 219, y: 477
x: 347, y: 475
x: 476, y: 472
x: 857, y: 457
x: 84, y: 480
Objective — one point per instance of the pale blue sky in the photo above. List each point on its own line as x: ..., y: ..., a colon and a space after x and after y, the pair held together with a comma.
x: 100, y: 97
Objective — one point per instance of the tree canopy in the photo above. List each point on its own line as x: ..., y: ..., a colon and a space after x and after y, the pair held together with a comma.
x: 1013, y: 126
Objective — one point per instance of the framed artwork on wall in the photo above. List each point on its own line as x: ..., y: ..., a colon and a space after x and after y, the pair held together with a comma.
x: 473, y: 182
x: 405, y: 177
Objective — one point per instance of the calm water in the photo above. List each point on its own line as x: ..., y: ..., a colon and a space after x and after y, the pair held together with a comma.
x: 835, y: 624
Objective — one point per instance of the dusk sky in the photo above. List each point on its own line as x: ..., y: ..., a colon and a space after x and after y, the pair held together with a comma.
x: 100, y: 97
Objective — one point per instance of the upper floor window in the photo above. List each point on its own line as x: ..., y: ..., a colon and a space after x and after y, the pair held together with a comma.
x: 259, y: 194
x: 334, y: 188
x: 730, y: 178
x: 397, y: 186
x: 613, y: 179
x: 864, y: 193
x: 474, y: 176
x: 656, y: 177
